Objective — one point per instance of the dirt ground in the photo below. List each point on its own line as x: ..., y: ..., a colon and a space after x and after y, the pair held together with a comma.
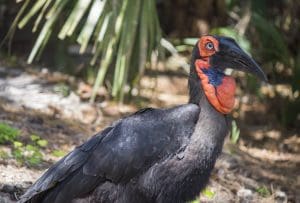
x: 264, y: 166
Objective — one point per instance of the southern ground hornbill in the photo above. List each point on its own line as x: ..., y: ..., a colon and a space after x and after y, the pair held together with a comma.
x: 155, y: 155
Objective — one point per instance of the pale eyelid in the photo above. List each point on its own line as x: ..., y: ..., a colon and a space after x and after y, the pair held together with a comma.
x: 210, y: 48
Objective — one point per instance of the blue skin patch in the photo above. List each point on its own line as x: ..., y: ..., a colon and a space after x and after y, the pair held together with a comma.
x: 214, y: 75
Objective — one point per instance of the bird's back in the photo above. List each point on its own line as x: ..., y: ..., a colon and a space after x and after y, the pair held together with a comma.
x: 117, y: 155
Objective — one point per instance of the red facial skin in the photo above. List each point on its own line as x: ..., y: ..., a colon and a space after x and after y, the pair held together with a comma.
x: 222, y: 96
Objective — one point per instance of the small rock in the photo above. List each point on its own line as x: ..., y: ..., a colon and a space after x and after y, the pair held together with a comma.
x: 245, y: 195
x: 280, y: 196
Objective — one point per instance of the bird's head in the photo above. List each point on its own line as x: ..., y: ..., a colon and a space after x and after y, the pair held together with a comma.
x: 211, y: 56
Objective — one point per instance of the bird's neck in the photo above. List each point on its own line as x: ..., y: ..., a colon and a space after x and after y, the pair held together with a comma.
x: 197, y: 95
x: 196, y: 92
x: 207, y: 83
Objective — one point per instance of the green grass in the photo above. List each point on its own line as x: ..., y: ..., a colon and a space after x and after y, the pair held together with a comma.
x: 195, y: 201
x: 235, y: 133
x: 263, y: 191
x: 25, y: 153
x: 58, y: 153
x: 29, y: 154
x: 62, y: 89
x: 7, y: 133
x: 4, y: 155
x: 207, y: 192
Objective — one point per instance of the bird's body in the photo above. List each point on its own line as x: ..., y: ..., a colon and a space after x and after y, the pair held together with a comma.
x: 146, y: 149
x: 154, y: 155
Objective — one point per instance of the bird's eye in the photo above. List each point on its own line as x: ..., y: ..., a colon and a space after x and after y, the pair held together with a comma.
x: 209, y: 46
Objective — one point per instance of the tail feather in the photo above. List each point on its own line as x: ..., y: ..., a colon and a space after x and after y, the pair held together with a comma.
x: 77, y: 185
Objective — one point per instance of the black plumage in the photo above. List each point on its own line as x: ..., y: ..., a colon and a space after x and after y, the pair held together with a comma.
x: 154, y: 155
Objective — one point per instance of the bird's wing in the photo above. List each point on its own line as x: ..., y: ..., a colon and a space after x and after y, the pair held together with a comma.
x: 121, y: 151
x: 65, y: 167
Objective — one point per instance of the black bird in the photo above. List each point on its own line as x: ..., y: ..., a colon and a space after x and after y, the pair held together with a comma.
x: 155, y: 155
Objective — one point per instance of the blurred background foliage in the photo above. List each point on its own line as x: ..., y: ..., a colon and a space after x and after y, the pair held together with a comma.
x: 120, y: 40
x: 121, y: 34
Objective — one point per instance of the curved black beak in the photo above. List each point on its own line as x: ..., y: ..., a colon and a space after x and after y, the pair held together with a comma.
x: 230, y: 55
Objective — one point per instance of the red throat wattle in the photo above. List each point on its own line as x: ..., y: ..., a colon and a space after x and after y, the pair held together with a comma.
x: 221, y: 97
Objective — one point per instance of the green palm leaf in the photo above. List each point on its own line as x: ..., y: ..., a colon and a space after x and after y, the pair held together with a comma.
x: 123, y: 34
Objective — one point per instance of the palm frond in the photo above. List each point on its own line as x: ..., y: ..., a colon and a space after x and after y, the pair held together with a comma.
x: 123, y: 34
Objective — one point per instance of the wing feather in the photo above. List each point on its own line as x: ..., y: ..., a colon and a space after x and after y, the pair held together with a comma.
x: 120, y: 152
